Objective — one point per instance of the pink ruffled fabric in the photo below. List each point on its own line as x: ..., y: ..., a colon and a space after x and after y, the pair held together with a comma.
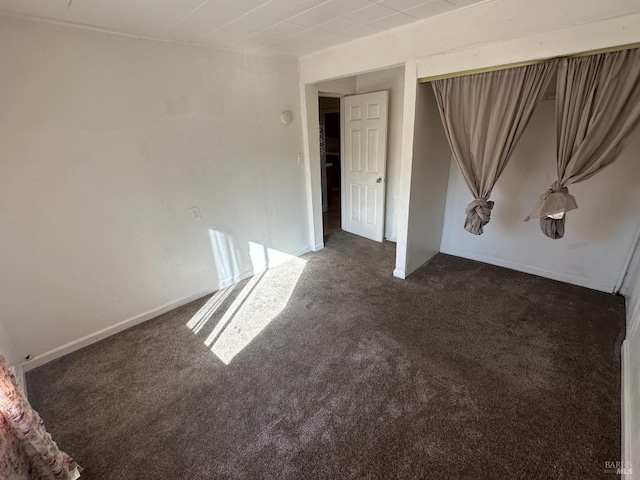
x: 27, y: 451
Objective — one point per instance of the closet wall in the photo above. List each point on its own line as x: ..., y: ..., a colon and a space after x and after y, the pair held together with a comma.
x: 599, y: 234
x: 429, y: 176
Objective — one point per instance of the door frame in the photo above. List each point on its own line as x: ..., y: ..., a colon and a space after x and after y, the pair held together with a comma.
x: 341, y: 97
x: 309, y: 98
x: 343, y: 185
x: 308, y: 92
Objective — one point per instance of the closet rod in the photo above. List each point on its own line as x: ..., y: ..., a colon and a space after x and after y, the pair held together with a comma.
x: 523, y: 64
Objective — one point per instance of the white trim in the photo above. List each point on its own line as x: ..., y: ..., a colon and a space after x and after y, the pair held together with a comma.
x: 313, y: 175
x: 309, y: 97
x: 567, y: 40
x: 428, y: 41
x: 635, y: 247
x: 306, y: 93
x: 18, y: 372
x: 399, y: 274
x: 633, y: 319
x: 103, y: 333
x: 406, y: 166
x: 636, y: 317
x: 343, y: 183
x: 542, y: 272
x: 75, y: 474
x: 625, y: 409
x: 22, y: 380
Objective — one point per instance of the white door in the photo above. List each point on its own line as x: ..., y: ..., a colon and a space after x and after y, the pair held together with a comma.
x: 364, y: 164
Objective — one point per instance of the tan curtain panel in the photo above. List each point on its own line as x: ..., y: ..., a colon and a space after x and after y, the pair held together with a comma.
x: 484, y: 116
x: 27, y: 451
x: 597, y: 111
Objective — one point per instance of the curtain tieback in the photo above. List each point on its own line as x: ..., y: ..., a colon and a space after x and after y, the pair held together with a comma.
x: 556, y: 199
x: 478, y: 215
x: 556, y: 187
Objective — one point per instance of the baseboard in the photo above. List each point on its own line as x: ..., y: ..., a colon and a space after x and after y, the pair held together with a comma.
x: 399, y: 274
x: 87, y: 340
x: 625, y: 409
x: 82, y: 342
x: 542, y: 272
x: 318, y: 246
x: 304, y: 251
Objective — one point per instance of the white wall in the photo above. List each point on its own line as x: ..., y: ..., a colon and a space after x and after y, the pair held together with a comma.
x: 7, y: 348
x: 631, y: 371
x: 631, y: 292
x: 599, y: 234
x: 8, y: 351
x: 430, y: 173
x: 107, y: 141
x: 393, y: 81
x: 342, y: 86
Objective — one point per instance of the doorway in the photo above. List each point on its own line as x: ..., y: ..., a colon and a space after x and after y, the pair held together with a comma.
x: 330, y: 163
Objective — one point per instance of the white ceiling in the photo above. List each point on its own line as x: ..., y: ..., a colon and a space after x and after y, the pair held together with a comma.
x: 291, y: 27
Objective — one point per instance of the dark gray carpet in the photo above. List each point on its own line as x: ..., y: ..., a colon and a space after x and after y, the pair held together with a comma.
x: 464, y: 371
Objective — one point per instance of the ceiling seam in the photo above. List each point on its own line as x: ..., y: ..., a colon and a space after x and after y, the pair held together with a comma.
x: 190, y: 13
x: 373, y: 2
x: 240, y: 17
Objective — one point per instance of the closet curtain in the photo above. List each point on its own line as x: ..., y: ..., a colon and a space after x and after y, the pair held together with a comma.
x: 484, y: 116
x: 597, y: 110
x: 27, y: 451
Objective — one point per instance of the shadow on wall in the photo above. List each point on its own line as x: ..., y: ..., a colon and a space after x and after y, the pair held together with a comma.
x: 253, y: 305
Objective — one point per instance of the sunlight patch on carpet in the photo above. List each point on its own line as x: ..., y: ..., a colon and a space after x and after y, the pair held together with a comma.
x: 256, y: 305
x: 261, y: 300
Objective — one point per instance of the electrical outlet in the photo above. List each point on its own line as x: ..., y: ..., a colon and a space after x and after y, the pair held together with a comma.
x: 195, y: 213
x: 300, y: 157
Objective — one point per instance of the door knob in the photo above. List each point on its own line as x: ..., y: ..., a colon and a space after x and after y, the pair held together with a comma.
x: 379, y: 180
